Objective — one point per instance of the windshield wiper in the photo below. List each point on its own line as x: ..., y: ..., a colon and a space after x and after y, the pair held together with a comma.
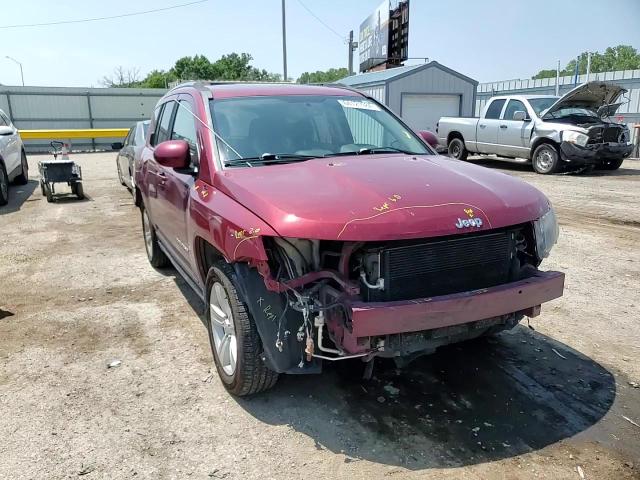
x: 371, y: 151
x: 270, y: 158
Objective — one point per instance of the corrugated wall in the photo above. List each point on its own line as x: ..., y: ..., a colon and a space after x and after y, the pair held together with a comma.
x: 435, y: 81
x: 629, y: 79
x: 61, y: 107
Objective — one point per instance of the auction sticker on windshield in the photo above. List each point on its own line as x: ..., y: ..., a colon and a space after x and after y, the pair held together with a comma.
x: 359, y: 104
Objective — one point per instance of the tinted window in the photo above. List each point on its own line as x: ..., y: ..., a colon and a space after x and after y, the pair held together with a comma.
x: 184, y: 127
x: 129, y: 139
x: 494, y: 109
x: 162, y: 129
x: 3, y: 122
x: 512, y: 107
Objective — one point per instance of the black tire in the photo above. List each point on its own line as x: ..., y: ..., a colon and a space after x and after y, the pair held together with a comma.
x: 78, y: 190
x: 48, y: 193
x: 612, y: 164
x: 545, y: 159
x: 4, y: 185
x: 456, y: 149
x: 156, y: 256
x: 23, y: 178
x: 251, y: 375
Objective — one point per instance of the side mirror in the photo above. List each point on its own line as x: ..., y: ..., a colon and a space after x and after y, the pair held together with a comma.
x: 429, y: 137
x: 6, y: 130
x: 520, y: 116
x: 172, y: 154
x: 117, y: 146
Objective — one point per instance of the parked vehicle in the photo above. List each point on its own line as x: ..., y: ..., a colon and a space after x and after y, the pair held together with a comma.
x: 552, y: 132
x: 129, y: 152
x: 316, y: 226
x: 59, y: 170
x: 13, y: 159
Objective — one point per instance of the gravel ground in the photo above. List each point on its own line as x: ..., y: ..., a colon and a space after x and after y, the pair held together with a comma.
x: 77, y: 292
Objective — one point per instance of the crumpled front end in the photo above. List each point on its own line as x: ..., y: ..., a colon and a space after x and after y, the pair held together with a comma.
x: 600, y: 143
x: 317, y: 301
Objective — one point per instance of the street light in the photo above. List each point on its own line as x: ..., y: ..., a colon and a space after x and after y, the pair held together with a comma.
x: 19, y: 64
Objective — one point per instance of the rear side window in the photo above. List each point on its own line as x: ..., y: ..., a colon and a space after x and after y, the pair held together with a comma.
x: 162, y: 132
x: 494, y: 109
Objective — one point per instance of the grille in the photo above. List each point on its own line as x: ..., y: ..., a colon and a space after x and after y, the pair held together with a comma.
x: 454, y: 265
x: 604, y: 134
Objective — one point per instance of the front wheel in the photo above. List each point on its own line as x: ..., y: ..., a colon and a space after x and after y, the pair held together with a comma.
x: 4, y: 185
x: 457, y: 149
x: 235, y: 342
x: 78, y: 190
x: 156, y: 256
x: 612, y: 164
x: 23, y: 178
x: 546, y: 159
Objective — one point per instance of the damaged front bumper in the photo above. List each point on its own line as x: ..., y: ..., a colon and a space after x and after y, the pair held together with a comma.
x: 522, y: 297
x: 594, y: 154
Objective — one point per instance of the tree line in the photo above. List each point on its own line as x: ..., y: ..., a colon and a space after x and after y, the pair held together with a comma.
x: 233, y: 66
x: 622, y: 57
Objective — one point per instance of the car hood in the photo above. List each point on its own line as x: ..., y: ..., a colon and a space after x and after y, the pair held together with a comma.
x: 381, y: 197
x: 597, y: 96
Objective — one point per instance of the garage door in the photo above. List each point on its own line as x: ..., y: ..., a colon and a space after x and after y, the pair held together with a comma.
x: 422, y: 111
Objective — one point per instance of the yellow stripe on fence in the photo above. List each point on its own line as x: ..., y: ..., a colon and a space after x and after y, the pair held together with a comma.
x: 74, y: 133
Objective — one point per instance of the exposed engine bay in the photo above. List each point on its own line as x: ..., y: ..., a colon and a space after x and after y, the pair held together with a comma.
x: 304, y: 304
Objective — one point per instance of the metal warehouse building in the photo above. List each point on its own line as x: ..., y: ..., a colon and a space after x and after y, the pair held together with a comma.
x: 420, y: 94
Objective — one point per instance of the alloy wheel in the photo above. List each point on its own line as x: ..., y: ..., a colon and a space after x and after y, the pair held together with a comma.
x: 223, y: 328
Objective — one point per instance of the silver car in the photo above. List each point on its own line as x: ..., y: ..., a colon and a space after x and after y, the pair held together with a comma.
x: 129, y: 152
x: 13, y: 160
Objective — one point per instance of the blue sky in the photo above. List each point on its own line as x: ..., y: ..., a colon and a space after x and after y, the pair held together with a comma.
x: 486, y: 40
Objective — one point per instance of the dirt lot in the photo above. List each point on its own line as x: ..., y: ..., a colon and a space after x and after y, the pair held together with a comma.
x: 77, y: 292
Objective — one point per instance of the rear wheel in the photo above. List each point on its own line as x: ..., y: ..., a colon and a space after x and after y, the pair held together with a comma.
x: 23, y: 178
x: 235, y: 342
x: 4, y: 185
x: 156, y: 256
x: 612, y: 164
x: 457, y: 149
x: 546, y: 159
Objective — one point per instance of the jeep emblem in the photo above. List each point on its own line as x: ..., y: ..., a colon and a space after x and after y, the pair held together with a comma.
x: 469, y: 222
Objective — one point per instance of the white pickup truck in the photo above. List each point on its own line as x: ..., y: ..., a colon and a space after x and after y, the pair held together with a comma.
x: 549, y: 131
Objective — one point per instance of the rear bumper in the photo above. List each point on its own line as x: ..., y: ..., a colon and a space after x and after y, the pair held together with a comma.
x: 388, y: 318
x: 594, y: 154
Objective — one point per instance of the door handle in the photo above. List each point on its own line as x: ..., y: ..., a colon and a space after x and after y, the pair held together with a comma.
x: 482, y: 126
x: 503, y: 126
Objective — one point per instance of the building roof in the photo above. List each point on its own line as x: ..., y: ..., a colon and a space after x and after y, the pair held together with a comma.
x: 386, y: 76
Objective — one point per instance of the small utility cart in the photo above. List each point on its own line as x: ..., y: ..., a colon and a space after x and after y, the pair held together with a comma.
x: 59, y: 171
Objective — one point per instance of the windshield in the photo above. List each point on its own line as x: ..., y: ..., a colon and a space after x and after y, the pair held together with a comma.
x: 541, y: 104
x: 295, y: 127
x: 573, y: 112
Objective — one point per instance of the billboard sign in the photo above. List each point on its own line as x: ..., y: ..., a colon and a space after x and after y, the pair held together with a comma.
x: 374, y: 38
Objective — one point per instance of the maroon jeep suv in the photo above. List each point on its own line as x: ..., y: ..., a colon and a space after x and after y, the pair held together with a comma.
x: 316, y: 226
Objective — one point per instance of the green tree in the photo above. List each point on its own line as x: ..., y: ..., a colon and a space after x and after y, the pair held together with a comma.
x: 319, y: 76
x: 622, y: 57
x: 157, y: 79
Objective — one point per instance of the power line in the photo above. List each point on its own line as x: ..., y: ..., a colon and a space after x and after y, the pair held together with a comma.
x: 321, y: 21
x: 96, y: 19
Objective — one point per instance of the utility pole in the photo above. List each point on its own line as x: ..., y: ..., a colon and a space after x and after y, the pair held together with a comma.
x: 588, y: 65
x: 284, y: 42
x: 350, y: 46
x: 19, y: 64
x: 558, y: 80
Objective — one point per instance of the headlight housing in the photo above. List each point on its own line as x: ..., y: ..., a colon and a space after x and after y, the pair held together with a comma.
x: 575, y: 137
x: 546, y: 231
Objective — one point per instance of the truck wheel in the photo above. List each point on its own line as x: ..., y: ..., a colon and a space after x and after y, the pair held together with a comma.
x: 23, y: 178
x: 156, y: 256
x: 457, y: 149
x: 546, y: 159
x: 4, y: 185
x: 235, y: 343
x: 612, y: 164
